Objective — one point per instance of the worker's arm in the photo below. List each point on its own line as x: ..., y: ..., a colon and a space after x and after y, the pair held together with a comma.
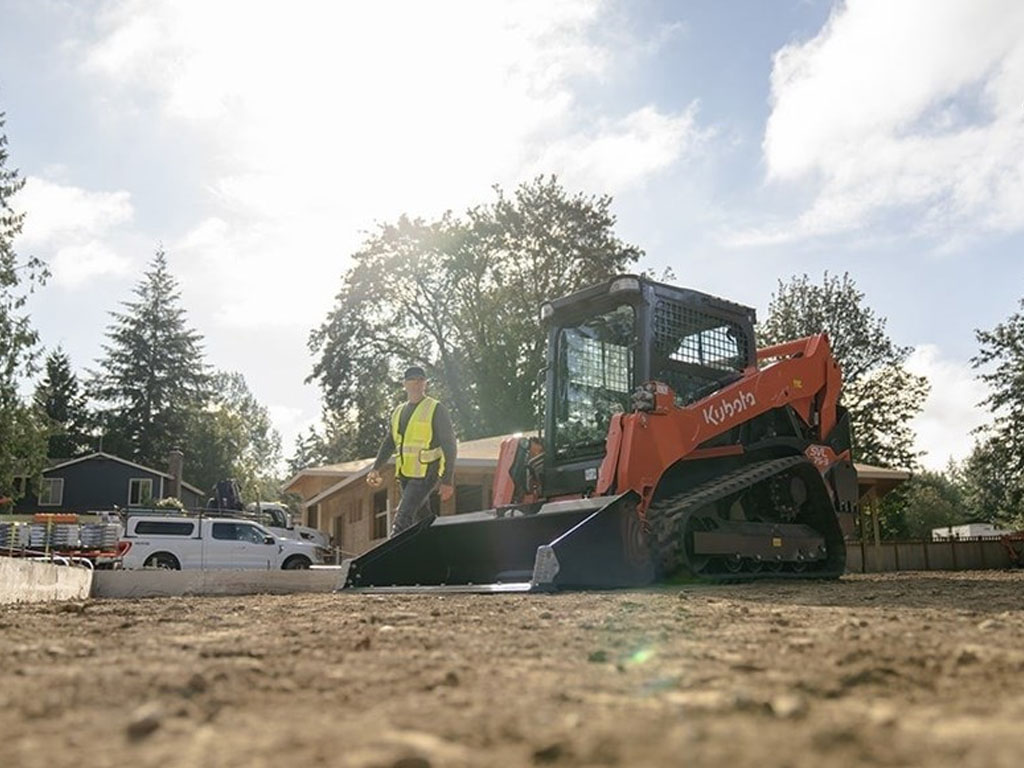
x: 444, y: 434
x: 387, y: 447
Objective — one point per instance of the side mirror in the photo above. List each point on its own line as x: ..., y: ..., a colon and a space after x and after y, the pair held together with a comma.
x: 269, y: 540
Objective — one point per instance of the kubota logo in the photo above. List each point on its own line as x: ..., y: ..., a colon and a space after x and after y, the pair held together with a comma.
x: 725, y: 409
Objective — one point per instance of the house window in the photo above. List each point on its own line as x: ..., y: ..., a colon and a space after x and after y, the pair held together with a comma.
x: 339, y: 531
x: 140, y: 491
x: 380, y: 514
x: 469, y: 498
x: 313, y: 516
x: 355, y: 512
x: 51, y: 492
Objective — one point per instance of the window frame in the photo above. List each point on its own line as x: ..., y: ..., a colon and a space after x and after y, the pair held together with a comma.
x: 141, y: 495
x: 46, y: 484
x: 380, y: 515
x: 355, y: 511
x: 579, y: 383
x: 170, y: 526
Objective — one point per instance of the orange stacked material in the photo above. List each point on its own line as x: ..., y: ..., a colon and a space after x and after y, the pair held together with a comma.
x: 55, y: 517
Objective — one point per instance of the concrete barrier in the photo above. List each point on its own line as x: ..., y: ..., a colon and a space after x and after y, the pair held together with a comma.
x: 28, y: 581
x: 159, y: 583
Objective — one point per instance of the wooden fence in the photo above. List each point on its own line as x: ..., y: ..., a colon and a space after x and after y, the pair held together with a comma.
x: 953, y: 555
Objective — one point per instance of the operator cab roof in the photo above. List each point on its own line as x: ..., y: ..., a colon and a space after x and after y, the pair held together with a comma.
x: 636, y: 289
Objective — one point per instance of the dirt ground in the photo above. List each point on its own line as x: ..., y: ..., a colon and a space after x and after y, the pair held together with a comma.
x: 907, y: 669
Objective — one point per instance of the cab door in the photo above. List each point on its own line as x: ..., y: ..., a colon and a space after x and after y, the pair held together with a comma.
x: 236, y: 545
x: 256, y: 552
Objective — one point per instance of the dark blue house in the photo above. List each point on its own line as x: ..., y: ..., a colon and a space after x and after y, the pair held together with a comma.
x: 101, y: 481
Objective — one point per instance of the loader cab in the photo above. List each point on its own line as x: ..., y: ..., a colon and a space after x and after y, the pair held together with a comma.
x: 606, y: 341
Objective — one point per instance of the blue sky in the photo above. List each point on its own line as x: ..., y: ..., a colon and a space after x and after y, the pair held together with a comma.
x: 743, y: 142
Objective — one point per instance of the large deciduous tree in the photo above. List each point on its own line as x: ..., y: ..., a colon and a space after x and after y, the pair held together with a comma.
x: 60, y: 397
x: 461, y: 297
x: 881, y: 394
x: 153, y: 376
x: 233, y: 437
x: 22, y: 429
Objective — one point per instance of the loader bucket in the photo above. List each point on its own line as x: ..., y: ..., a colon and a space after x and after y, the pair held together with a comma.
x: 582, y: 543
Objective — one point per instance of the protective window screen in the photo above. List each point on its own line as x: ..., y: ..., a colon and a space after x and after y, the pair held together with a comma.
x: 693, y: 350
x: 594, y: 379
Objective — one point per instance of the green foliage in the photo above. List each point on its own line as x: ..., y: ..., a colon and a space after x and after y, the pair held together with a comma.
x: 308, y: 452
x: 991, y: 493
x: 994, y: 473
x: 928, y: 500
x: 232, y: 437
x: 59, y: 396
x: 881, y: 395
x: 461, y: 297
x: 153, y: 376
x: 23, y: 430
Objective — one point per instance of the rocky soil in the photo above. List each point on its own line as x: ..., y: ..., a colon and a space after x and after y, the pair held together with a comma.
x: 907, y: 669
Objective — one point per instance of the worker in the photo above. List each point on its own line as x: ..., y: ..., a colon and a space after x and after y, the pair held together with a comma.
x: 423, y: 443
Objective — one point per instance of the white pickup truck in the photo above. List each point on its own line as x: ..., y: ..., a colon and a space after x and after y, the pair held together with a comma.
x: 182, y: 543
x: 278, y: 519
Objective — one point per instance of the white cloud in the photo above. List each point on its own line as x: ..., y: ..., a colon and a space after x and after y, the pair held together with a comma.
x: 327, y: 118
x: 627, y: 152
x: 287, y: 418
x: 63, y: 214
x: 951, y: 412
x: 69, y: 228
x: 76, y: 265
x: 916, y: 106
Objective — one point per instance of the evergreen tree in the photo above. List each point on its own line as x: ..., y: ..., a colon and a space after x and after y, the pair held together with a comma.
x: 153, y: 377
x: 22, y: 430
x: 881, y: 395
x: 310, y: 451
x: 59, y: 396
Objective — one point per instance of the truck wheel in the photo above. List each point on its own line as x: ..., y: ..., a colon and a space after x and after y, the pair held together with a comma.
x: 296, y: 563
x: 163, y: 560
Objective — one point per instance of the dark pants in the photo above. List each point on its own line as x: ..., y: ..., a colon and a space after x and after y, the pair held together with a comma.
x: 415, y: 503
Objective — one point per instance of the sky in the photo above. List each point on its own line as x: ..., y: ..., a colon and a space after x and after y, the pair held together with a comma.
x: 742, y: 142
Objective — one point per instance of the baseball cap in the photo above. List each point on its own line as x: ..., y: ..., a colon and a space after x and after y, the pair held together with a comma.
x: 414, y: 372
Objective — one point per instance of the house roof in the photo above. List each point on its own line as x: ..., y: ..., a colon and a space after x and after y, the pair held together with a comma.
x: 882, y: 479
x: 112, y: 457
x: 327, y: 470
x: 482, y: 452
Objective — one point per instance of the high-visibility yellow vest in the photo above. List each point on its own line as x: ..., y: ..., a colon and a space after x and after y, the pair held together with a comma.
x: 413, y: 453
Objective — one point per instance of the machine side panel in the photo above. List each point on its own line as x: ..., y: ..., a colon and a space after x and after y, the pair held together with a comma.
x: 805, y: 376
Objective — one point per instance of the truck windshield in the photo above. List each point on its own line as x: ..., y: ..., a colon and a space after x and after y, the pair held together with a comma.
x: 594, y: 377
x: 277, y: 517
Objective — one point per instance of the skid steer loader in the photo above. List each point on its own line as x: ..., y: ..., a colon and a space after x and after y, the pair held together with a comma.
x: 670, y: 444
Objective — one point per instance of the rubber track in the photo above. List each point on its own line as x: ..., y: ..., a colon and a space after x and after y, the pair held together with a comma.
x: 667, y: 518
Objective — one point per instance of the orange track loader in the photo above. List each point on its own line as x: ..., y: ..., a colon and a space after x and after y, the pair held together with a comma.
x: 670, y: 443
